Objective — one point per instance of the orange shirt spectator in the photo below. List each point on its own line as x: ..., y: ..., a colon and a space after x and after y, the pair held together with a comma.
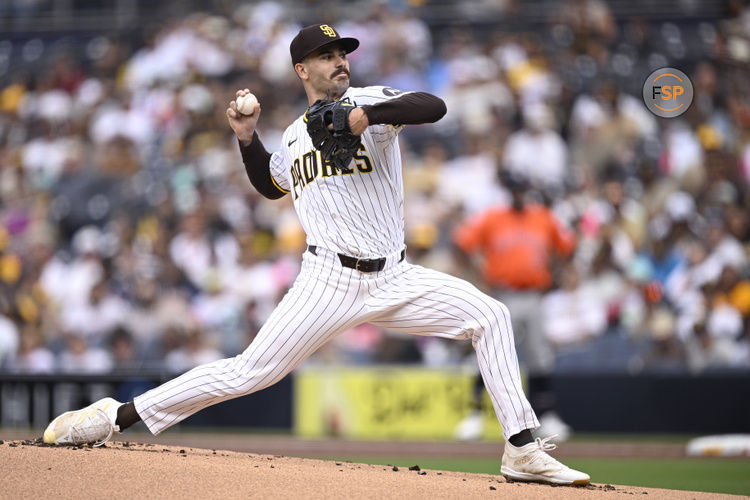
x: 516, y: 245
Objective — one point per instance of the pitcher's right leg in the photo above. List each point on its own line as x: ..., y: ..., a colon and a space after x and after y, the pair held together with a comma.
x: 322, y: 304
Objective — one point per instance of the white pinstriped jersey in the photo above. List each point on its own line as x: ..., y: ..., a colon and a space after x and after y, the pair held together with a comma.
x: 358, y: 211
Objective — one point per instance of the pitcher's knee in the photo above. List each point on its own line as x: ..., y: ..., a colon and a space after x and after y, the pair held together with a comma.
x: 503, y: 312
x: 495, y: 320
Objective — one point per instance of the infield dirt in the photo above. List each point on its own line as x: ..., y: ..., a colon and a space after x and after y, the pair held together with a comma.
x: 126, y: 470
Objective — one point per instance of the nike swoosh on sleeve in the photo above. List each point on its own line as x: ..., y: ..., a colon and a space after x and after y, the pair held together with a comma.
x: 291, y: 142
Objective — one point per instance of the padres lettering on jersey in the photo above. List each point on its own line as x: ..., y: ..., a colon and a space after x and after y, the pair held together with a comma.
x: 357, y: 210
x: 306, y: 169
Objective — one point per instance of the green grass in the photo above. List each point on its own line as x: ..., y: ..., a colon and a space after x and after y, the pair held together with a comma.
x: 695, y: 474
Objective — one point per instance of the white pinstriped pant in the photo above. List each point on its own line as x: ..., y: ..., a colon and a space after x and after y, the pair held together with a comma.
x: 328, y: 299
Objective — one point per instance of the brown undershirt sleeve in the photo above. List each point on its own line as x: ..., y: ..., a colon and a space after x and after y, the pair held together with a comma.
x: 408, y: 109
x: 258, y: 168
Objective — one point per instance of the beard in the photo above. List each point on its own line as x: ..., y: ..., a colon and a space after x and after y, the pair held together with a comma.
x: 338, y: 87
x: 338, y: 84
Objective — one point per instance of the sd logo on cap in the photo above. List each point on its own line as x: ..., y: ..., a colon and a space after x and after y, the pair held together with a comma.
x: 311, y: 38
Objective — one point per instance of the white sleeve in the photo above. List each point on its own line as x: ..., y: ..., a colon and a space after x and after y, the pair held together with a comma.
x: 376, y: 94
x: 278, y: 170
x: 373, y: 95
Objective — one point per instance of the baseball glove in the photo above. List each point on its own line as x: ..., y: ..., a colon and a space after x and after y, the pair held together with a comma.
x: 336, y: 146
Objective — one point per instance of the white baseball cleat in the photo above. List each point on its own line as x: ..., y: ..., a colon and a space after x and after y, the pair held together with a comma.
x: 532, y: 463
x: 93, y: 424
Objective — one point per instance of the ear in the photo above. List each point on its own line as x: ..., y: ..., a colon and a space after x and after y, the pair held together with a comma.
x: 301, y: 70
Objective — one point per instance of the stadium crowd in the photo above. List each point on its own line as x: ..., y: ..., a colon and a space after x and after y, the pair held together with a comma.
x: 131, y: 239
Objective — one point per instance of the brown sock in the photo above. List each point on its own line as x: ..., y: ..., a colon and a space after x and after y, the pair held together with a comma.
x: 522, y: 438
x: 127, y: 416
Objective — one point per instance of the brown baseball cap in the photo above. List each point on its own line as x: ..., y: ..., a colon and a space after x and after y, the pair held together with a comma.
x: 311, y: 38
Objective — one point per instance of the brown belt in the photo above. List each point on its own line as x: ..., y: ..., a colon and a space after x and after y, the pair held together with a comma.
x: 361, y: 265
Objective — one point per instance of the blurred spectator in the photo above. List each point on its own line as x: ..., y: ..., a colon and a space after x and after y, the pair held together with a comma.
x: 708, y: 351
x: 734, y: 290
x: 573, y: 313
x: 80, y: 357
x: 8, y: 341
x: 469, y: 181
x: 477, y: 94
x: 192, y: 350
x: 97, y: 316
x: 725, y: 249
x: 32, y: 357
x: 69, y: 281
x: 662, y: 255
x: 537, y: 150
x: 125, y: 355
x: 665, y: 351
x: 220, y: 313
x: 198, y: 252
x: 606, y: 288
x: 144, y: 320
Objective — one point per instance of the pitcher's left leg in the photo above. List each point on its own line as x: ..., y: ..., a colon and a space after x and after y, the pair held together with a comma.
x: 422, y: 301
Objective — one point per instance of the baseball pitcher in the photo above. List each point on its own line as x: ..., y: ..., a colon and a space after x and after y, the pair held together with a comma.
x: 340, y: 162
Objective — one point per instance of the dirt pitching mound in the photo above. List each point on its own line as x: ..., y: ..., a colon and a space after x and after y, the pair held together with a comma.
x: 132, y: 470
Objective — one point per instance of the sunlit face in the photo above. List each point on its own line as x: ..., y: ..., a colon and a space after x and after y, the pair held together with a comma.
x: 326, y: 70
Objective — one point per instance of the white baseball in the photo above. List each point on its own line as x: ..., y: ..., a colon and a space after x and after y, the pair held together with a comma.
x: 246, y: 104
